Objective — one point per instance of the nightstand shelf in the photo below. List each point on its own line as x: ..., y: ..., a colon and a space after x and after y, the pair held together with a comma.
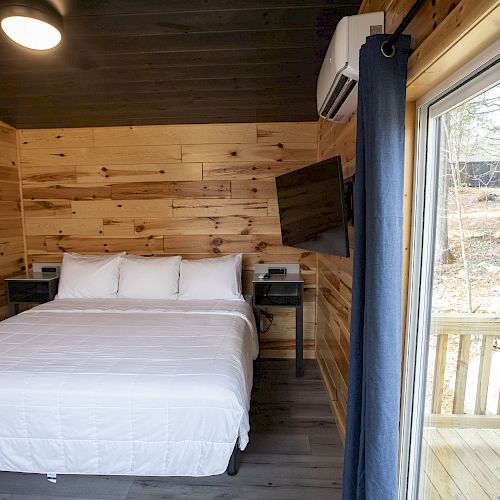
x: 34, y: 288
x: 283, y: 290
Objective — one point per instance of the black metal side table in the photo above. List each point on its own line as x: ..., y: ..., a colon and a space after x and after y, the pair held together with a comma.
x: 34, y: 288
x: 283, y: 290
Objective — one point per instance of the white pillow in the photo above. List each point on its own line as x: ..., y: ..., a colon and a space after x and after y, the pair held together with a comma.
x: 89, y: 276
x: 218, y: 278
x: 149, y: 277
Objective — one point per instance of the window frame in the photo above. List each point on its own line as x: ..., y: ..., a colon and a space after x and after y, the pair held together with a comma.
x: 482, y: 73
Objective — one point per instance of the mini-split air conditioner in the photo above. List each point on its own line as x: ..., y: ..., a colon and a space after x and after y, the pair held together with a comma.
x: 337, y: 89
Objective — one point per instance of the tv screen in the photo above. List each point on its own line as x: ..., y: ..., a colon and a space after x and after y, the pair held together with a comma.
x: 312, y: 208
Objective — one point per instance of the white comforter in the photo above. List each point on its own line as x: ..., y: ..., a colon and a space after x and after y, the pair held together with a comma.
x: 125, y: 386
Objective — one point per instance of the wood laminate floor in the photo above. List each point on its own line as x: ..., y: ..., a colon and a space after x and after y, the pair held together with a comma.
x: 294, y: 453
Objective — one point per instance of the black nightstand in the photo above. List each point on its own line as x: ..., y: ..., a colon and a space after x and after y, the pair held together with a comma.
x: 283, y: 290
x: 34, y: 288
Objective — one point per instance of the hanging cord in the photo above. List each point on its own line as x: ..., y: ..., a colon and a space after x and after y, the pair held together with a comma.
x: 388, y: 48
x: 269, y: 318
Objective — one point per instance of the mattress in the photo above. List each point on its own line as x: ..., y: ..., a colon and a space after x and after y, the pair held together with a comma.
x: 134, y: 387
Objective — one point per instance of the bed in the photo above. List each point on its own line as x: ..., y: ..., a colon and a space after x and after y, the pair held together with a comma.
x: 121, y: 386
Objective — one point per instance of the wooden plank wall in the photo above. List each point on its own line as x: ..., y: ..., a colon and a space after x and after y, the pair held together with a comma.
x: 11, y: 227
x: 335, y: 273
x: 193, y: 190
x: 335, y: 282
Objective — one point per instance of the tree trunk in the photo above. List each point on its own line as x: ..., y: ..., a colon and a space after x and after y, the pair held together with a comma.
x: 456, y: 179
x: 443, y: 253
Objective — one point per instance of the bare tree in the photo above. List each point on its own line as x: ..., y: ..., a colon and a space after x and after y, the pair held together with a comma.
x: 443, y: 251
x: 454, y: 164
x: 468, y: 133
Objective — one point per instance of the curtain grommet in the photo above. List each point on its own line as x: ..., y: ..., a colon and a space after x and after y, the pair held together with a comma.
x: 384, y: 46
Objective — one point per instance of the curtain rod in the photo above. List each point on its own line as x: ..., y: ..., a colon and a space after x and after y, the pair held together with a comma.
x: 389, y: 43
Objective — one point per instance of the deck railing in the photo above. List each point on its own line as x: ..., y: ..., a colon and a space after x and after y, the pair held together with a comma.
x: 465, y: 325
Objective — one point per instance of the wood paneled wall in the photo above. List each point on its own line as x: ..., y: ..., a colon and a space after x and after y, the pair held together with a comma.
x: 335, y: 273
x: 11, y: 227
x: 335, y: 282
x: 193, y: 190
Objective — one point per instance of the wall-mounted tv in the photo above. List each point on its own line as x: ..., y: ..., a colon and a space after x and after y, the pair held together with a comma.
x: 313, y: 210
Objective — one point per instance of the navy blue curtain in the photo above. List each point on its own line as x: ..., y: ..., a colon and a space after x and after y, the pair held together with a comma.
x: 372, y: 430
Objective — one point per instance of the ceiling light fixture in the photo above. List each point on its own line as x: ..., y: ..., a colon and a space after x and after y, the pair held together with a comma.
x: 36, y: 25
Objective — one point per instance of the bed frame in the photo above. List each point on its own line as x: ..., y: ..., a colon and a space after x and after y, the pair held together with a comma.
x: 233, y: 465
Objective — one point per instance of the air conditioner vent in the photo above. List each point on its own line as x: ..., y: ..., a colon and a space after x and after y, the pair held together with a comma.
x: 342, y: 95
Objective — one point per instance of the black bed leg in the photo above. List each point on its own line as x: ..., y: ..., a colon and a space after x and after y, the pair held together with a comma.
x: 232, y: 467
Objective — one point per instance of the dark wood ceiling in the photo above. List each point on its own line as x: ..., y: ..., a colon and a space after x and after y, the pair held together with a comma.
x: 135, y: 62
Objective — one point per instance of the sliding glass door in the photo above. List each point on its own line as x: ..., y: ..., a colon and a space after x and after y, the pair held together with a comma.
x: 451, y: 424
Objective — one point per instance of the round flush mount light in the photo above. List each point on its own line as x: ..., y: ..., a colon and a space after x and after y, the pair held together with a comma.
x: 38, y: 26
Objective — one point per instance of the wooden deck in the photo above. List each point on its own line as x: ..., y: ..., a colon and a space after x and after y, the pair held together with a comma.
x: 460, y: 463
x: 295, y: 453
